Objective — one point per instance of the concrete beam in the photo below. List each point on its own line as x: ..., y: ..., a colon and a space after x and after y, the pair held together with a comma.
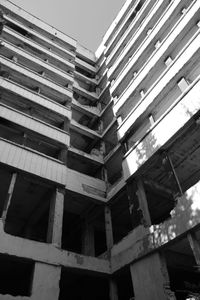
x: 86, y: 185
x: 49, y: 254
x: 136, y: 244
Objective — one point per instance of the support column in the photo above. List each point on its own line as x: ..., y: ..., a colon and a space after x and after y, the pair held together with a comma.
x: 9, y: 196
x: 138, y: 205
x: 54, y: 234
x: 195, y: 246
x: 108, y: 227
x: 113, y: 293
x: 150, y: 279
x: 46, y: 282
x: 63, y: 156
x: 143, y: 202
x: 113, y: 290
x: 88, y: 244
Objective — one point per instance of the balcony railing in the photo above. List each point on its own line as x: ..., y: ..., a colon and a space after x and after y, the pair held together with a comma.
x: 34, y: 97
x: 180, y: 112
x: 57, y: 135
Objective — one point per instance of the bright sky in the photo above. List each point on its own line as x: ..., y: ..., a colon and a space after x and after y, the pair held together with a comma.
x: 84, y: 20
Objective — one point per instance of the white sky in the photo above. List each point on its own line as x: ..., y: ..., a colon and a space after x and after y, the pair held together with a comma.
x: 84, y: 20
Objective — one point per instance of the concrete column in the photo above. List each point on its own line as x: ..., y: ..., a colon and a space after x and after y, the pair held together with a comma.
x: 113, y: 293
x: 88, y: 244
x: 63, y: 156
x: 195, y: 246
x: 45, y: 282
x: 150, y: 279
x: 141, y: 194
x: 9, y: 196
x: 66, y: 124
x: 113, y: 290
x: 54, y: 234
x: 138, y: 205
x: 108, y: 227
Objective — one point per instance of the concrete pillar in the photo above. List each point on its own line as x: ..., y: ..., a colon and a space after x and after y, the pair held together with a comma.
x: 66, y: 124
x: 108, y: 227
x: 195, y: 246
x: 54, y: 234
x: 113, y: 294
x: 138, y: 205
x: 9, y: 196
x: 141, y: 194
x: 45, y: 282
x: 63, y: 156
x: 150, y: 279
x: 88, y: 244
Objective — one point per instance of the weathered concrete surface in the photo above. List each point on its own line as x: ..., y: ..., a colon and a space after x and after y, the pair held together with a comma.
x: 149, y: 279
x: 46, y: 282
x: 54, y: 234
x: 134, y: 245
x: 47, y: 253
x: 86, y: 185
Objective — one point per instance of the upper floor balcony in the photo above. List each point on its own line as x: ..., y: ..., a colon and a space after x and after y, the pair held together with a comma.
x: 165, y: 35
x: 134, y: 26
x: 167, y: 81
x: 33, y: 80
x: 29, y: 96
x: 124, y: 20
x: 46, y: 54
x: 34, y: 63
x: 180, y: 140
x: 47, y: 30
x: 38, y: 37
x: 48, y: 132
x: 86, y: 66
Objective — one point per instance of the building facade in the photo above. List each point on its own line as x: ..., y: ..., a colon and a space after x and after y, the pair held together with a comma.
x: 96, y: 154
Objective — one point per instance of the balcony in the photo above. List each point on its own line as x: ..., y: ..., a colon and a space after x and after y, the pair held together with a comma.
x: 49, y: 132
x: 161, y: 87
x: 132, y: 29
x: 33, y: 47
x: 33, y: 162
x: 34, y: 97
x: 90, y: 95
x: 166, y: 36
x: 86, y: 66
x: 184, y: 149
x: 39, y: 38
x: 34, y: 63
x: 126, y: 13
x: 44, y: 27
x: 30, y: 78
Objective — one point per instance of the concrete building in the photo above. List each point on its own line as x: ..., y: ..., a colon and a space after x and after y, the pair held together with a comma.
x: 96, y: 152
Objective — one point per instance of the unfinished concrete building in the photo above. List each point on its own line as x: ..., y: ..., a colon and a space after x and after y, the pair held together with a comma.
x: 95, y: 153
